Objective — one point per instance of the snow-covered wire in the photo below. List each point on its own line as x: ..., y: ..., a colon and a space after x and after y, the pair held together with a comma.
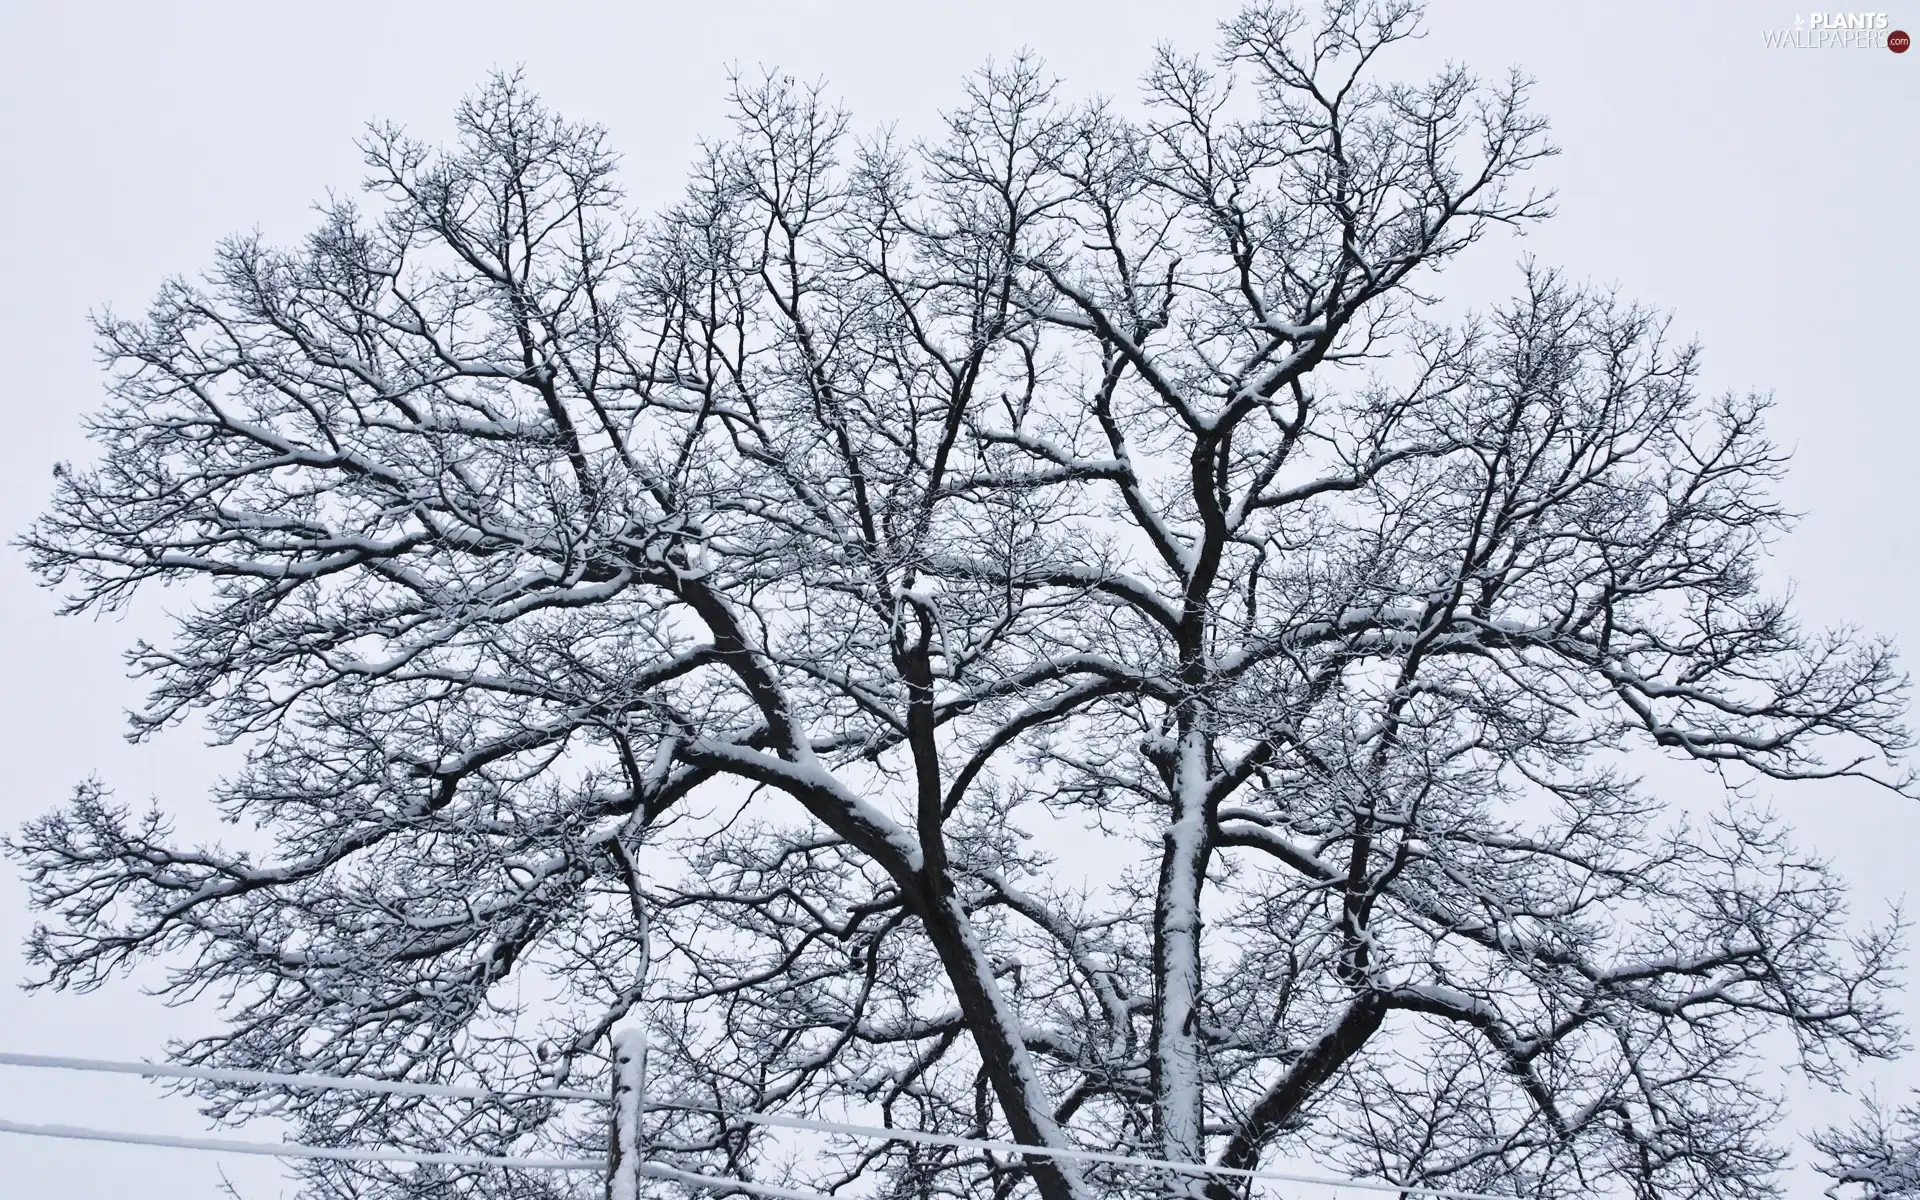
x: 775, y: 1120
x: 345, y: 1083
x: 380, y: 1154
x: 1070, y: 1154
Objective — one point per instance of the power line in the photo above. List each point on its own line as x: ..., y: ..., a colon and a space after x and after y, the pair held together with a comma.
x: 377, y: 1154
x: 1201, y: 1170
x: 345, y: 1083
x: 297, y: 1150
x: 776, y: 1120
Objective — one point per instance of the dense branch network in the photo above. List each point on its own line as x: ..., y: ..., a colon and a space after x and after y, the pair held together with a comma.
x: 1875, y: 1158
x: 1037, y: 634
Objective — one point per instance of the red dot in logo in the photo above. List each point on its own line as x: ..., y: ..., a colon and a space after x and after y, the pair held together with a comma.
x: 1898, y: 41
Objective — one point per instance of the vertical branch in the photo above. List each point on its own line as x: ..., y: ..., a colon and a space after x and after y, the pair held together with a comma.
x: 628, y: 1149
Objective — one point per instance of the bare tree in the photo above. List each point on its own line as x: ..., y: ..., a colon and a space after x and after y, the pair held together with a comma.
x: 1040, y: 634
x: 1875, y: 1158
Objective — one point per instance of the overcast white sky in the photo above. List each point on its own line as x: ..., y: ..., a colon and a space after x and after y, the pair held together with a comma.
x: 1767, y: 197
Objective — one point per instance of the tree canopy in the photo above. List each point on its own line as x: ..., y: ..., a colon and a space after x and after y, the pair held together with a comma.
x: 1042, y: 633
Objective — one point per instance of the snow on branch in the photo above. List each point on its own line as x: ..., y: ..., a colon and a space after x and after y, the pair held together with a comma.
x: 1036, y: 636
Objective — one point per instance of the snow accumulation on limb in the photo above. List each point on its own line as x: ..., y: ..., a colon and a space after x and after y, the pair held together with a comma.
x: 1036, y: 635
x: 629, y: 1108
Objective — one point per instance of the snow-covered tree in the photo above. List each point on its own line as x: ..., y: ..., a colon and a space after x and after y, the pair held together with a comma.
x: 1875, y: 1158
x: 1043, y: 633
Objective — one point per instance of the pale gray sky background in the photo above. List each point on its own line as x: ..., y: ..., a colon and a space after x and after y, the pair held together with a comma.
x: 1765, y: 196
